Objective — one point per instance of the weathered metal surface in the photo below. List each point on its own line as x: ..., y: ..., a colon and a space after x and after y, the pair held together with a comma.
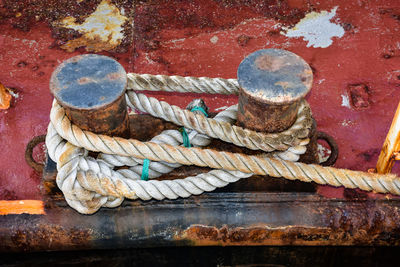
x: 272, y: 82
x: 209, y: 219
x: 311, y: 155
x: 98, y: 25
x: 91, y: 88
x: 37, y: 166
x: 334, y: 149
x: 210, y: 38
x: 207, y: 38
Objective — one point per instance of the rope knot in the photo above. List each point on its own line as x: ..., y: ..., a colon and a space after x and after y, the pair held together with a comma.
x: 91, y: 183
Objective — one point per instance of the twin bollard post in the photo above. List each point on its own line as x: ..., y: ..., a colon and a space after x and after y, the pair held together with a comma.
x: 272, y: 82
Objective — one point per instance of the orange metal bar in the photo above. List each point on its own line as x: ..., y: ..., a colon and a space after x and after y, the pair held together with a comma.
x: 21, y: 206
x: 391, y: 147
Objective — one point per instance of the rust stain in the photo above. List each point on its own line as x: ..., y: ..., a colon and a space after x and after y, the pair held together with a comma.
x: 284, y: 85
x: 5, y: 97
x: 102, y: 30
x: 85, y: 80
x: 46, y: 236
x: 203, y: 235
x: 243, y: 40
x: 271, y: 63
x: 21, y: 207
x: 262, y: 117
x: 307, y: 77
x: 359, y: 96
x: 345, y: 234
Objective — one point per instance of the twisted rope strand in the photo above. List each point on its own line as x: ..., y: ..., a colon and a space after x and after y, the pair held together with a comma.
x: 181, y: 84
x: 226, y: 131
x: 223, y: 160
x: 92, y: 189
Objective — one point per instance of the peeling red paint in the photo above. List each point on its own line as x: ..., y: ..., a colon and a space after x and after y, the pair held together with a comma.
x: 176, y: 39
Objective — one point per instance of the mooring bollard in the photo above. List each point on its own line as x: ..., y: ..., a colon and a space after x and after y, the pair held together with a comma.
x: 91, y: 88
x: 272, y: 84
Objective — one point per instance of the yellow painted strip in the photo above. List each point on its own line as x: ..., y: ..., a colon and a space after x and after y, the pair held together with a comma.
x: 390, y: 146
x: 21, y: 206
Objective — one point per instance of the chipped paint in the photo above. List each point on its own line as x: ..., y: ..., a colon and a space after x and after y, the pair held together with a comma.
x: 5, y: 97
x: 346, y: 123
x: 323, y: 153
x: 214, y: 39
x: 102, y: 30
x: 316, y: 28
x: 345, y: 101
x: 221, y: 108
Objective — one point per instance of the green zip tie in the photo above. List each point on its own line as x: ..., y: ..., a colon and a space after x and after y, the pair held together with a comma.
x: 145, y: 170
x: 186, y: 142
x: 200, y: 109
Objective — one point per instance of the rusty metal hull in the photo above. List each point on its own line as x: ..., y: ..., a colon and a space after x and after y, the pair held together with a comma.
x: 218, y: 219
x: 213, y: 219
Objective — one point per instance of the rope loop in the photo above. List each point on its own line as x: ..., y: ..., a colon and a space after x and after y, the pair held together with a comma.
x: 91, y: 183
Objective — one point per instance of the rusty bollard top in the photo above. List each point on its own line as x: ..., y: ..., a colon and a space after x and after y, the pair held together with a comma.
x: 91, y: 88
x: 272, y: 82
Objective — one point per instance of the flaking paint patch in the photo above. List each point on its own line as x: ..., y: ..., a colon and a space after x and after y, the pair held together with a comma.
x: 345, y: 101
x: 5, y: 97
x: 102, y: 30
x: 214, y: 39
x: 323, y: 153
x: 316, y: 28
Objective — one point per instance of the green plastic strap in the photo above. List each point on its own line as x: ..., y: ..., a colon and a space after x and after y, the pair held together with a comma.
x: 145, y: 170
x: 200, y: 109
x: 186, y: 142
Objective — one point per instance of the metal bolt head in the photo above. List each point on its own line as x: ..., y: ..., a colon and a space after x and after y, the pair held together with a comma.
x: 88, y: 82
x: 275, y: 76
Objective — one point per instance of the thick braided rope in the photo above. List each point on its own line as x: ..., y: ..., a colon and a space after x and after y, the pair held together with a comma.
x: 226, y: 131
x: 221, y: 160
x: 181, y: 84
x: 89, y: 184
x: 87, y: 196
x: 88, y: 192
x: 173, y: 137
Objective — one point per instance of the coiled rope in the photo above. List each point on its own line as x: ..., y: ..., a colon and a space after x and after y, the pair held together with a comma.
x: 91, y: 183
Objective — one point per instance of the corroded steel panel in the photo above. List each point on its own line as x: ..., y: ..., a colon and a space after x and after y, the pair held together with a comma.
x: 354, y: 62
